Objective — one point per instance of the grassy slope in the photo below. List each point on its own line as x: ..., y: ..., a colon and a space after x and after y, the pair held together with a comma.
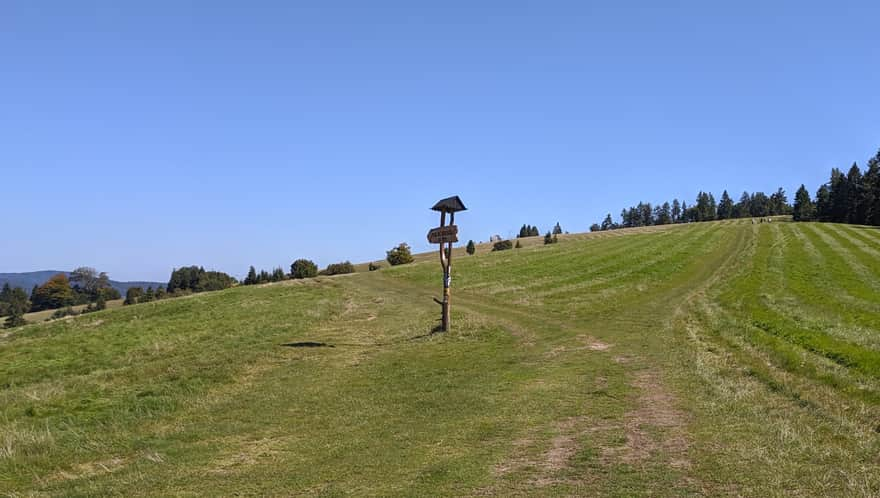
x: 42, y: 316
x: 717, y: 358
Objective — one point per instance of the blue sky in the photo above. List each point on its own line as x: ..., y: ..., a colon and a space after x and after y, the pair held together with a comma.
x: 139, y: 136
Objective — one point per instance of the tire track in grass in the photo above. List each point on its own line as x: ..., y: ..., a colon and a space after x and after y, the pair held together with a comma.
x: 602, y: 251
x: 807, y: 280
x: 776, y: 359
x: 858, y: 237
x: 849, y: 266
x: 864, y: 259
x: 771, y: 330
x: 614, y: 276
x: 822, y: 311
x: 605, y: 259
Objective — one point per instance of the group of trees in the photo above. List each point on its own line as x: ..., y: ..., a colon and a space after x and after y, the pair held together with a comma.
x: 338, y: 268
x: 301, y: 268
x: 85, y: 286
x: 136, y: 295
x: 264, y: 277
x: 196, y: 279
x: 853, y: 197
x: 528, y: 231
x: 705, y: 208
x: 532, y: 231
x: 183, y: 281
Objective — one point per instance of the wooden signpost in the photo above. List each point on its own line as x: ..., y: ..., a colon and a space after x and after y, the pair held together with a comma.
x: 446, y: 235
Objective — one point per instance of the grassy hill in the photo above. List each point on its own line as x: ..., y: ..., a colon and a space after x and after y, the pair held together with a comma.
x: 724, y: 358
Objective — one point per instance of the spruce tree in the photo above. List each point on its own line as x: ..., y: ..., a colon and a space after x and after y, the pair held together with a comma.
x: 823, y: 204
x: 855, y: 208
x: 251, y: 278
x: 871, y: 182
x: 725, y: 207
x: 557, y: 230
x: 803, y: 206
x: 471, y: 247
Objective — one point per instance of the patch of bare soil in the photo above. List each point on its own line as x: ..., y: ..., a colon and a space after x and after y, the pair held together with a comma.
x: 654, y: 427
x: 544, y: 466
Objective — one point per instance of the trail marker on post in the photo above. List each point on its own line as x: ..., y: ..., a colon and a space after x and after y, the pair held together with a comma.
x: 446, y: 235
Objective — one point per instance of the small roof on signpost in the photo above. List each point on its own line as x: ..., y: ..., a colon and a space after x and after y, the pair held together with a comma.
x: 449, y: 205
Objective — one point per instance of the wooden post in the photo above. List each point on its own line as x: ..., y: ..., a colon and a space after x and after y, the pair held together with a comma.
x: 447, y: 279
x: 445, y: 236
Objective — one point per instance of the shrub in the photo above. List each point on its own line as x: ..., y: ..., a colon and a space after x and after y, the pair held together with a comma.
x: 339, y: 268
x: 62, y: 312
x: 399, y: 255
x: 132, y: 295
x: 518, y: 245
x: 303, y: 268
x: 15, y: 320
x: 550, y: 239
x: 374, y: 266
x: 471, y: 247
x: 502, y: 245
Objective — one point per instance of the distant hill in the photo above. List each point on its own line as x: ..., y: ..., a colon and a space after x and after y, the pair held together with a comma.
x: 29, y: 279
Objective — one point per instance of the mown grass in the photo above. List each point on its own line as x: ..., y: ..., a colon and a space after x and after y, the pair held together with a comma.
x: 707, y: 359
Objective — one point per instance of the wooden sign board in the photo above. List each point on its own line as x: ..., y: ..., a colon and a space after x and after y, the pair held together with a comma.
x: 442, y: 235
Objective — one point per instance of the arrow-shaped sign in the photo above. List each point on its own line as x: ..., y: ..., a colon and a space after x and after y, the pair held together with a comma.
x: 440, y: 235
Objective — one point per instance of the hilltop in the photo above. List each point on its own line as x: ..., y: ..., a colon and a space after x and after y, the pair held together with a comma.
x: 721, y: 358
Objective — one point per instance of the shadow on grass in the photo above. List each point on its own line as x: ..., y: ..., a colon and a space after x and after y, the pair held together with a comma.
x: 308, y: 344
x: 434, y: 331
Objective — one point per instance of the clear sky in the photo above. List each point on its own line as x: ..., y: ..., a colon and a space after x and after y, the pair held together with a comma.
x: 139, y: 136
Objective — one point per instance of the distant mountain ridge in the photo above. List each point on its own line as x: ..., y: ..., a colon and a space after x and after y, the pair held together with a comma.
x: 27, y: 280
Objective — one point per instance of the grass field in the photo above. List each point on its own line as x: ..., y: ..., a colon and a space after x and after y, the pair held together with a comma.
x: 724, y: 358
x: 42, y: 316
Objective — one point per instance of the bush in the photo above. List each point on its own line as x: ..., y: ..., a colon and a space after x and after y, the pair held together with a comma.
x: 339, y: 268
x: 62, y: 312
x: 518, y: 245
x: 132, y: 295
x: 14, y: 320
x: 399, y: 255
x: 550, y: 239
x: 98, y: 305
x: 502, y: 245
x: 471, y: 247
x: 303, y: 268
x: 375, y: 266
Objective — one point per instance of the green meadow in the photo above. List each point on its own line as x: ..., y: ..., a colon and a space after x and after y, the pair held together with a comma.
x: 719, y: 359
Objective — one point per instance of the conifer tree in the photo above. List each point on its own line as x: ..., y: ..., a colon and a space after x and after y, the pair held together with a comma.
x: 471, y: 247
x: 251, y: 278
x: 725, y: 207
x: 803, y: 206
